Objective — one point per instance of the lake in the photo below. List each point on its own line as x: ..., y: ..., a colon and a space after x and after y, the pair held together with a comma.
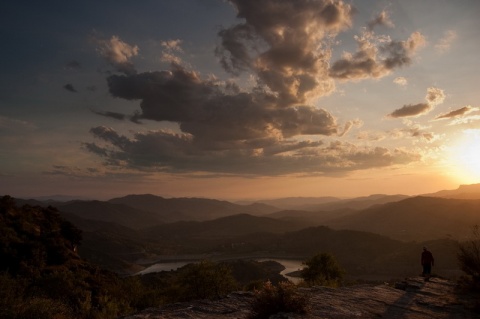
x: 289, y: 264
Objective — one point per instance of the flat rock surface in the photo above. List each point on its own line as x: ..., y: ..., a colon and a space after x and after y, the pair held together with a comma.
x: 410, y: 299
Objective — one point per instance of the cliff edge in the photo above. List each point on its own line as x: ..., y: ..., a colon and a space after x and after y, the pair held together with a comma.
x: 412, y: 298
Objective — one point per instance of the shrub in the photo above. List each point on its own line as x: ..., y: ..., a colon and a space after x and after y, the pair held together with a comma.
x: 322, y: 269
x: 203, y: 280
x: 43, y: 308
x: 469, y: 257
x: 285, y: 297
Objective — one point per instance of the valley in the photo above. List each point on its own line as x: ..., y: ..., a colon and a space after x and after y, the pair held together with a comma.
x: 374, y: 236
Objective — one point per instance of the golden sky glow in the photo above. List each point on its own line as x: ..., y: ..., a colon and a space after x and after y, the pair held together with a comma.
x: 464, y: 156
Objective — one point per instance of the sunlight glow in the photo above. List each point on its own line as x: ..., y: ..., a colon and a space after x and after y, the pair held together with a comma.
x: 464, y: 157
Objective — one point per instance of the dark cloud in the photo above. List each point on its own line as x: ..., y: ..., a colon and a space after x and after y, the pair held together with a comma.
x: 411, y: 110
x: 114, y: 115
x: 434, y: 97
x: 280, y: 41
x: 70, y: 87
x: 95, y: 149
x: 270, y: 129
x: 456, y: 113
x: 72, y: 171
x: 135, y: 118
x: 215, y: 114
x: 171, y: 152
x: 375, y: 60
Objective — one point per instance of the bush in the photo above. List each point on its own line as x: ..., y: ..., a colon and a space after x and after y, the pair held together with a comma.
x: 203, y: 280
x: 322, y: 269
x: 43, y: 308
x: 469, y: 257
x: 285, y: 297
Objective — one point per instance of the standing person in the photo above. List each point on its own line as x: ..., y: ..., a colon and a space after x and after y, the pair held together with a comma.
x: 427, y: 263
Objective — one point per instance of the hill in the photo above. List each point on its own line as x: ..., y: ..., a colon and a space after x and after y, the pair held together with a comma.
x: 189, y: 209
x: 41, y: 274
x: 416, y: 219
x: 110, y: 240
x: 331, y: 203
x: 462, y: 192
x: 358, y: 203
x: 411, y: 219
x: 297, y: 202
x: 111, y: 212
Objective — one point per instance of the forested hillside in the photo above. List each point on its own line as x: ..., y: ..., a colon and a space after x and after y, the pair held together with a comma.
x: 42, y: 276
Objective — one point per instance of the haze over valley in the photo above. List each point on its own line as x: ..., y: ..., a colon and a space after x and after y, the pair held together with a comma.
x: 377, y: 236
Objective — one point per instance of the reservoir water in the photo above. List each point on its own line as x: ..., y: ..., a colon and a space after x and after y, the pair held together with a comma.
x: 289, y: 264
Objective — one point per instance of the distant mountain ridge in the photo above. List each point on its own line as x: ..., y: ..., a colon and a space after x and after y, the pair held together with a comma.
x: 471, y: 191
x: 417, y: 218
x: 110, y: 212
x: 330, y: 203
x: 109, y: 236
x: 194, y: 209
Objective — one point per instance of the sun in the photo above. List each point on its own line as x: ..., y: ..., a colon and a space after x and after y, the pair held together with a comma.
x: 464, y: 157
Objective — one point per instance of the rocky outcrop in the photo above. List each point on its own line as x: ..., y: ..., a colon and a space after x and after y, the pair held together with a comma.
x: 412, y: 299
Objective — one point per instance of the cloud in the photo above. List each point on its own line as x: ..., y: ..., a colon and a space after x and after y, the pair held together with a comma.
x: 446, y: 41
x: 135, y: 118
x: 14, y: 125
x: 211, y: 113
x: 172, y: 45
x: 457, y: 113
x: 114, y: 115
x: 376, y: 56
x: 171, y: 152
x: 72, y: 171
x: 465, y: 120
x: 169, y: 54
x: 370, y: 136
x: 349, y: 125
x: 418, y: 132
x: 414, y: 131
x: 270, y: 128
x: 70, y: 87
x: 400, y: 81
x: 411, y: 110
x: 382, y: 19
x: 118, y: 53
x: 434, y: 97
x: 281, y: 42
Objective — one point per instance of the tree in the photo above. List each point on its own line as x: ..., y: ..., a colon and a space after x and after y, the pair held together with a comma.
x: 205, y: 280
x: 322, y: 269
x: 469, y: 256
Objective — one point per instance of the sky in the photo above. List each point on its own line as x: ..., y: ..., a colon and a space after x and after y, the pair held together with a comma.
x: 238, y: 99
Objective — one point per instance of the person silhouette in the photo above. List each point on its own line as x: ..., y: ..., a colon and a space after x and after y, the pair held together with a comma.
x: 427, y: 263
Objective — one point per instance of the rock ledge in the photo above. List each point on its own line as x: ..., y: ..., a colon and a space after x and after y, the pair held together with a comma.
x: 412, y: 299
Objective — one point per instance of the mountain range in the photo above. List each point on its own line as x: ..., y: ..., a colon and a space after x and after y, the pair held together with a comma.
x: 374, y: 230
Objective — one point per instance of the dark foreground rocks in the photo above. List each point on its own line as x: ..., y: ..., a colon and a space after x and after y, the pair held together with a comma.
x: 410, y: 299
